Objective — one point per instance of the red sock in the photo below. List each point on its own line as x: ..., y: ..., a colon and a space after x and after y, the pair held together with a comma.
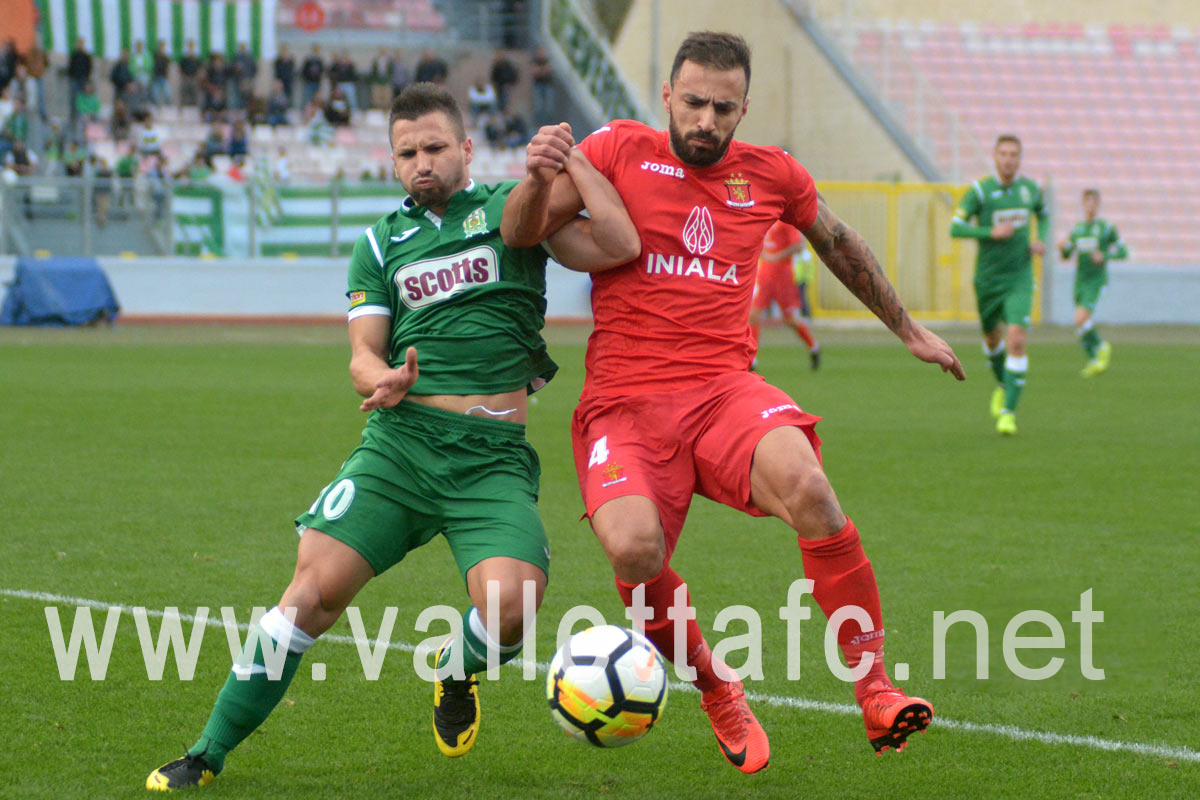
x: 660, y: 629
x: 804, y: 333
x: 842, y: 576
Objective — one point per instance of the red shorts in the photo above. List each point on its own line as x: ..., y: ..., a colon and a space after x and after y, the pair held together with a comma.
x: 670, y: 445
x: 778, y: 288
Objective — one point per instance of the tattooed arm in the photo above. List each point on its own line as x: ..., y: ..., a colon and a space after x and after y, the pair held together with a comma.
x: 848, y: 257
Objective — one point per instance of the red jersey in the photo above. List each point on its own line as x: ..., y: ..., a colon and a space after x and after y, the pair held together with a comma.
x: 677, y: 316
x: 779, y: 237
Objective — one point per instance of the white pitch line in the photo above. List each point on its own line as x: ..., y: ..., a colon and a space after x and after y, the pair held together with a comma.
x: 778, y: 701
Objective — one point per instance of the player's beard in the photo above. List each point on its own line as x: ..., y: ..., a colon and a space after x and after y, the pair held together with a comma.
x: 690, y: 154
x: 439, y: 193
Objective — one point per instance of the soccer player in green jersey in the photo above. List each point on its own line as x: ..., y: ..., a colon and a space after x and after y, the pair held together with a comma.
x: 1002, y: 205
x: 444, y: 449
x: 1096, y: 242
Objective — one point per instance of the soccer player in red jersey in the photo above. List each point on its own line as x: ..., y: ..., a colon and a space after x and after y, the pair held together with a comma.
x: 776, y: 285
x: 670, y: 408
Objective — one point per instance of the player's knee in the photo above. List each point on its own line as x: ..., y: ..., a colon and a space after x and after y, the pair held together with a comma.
x: 509, y: 612
x: 812, y: 503
x: 637, y: 555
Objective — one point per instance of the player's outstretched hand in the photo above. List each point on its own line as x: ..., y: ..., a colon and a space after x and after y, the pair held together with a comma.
x: 930, y: 347
x: 394, y: 385
x: 1097, y: 257
x: 548, y: 150
x: 1037, y: 248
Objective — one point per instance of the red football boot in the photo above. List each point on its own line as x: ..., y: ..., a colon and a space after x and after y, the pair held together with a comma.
x: 743, y: 741
x: 892, y: 716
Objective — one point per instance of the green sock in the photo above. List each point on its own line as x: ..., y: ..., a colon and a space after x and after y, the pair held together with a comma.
x: 1015, y: 368
x: 244, y: 704
x: 473, y: 645
x: 1091, y: 342
x: 996, y: 359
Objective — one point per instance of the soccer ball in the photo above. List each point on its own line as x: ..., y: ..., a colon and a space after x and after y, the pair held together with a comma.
x: 607, y: 686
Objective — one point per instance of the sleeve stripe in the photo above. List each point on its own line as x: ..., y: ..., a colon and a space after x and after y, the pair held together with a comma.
x: 375, y: 246
x: 367, y: 311
x: 978, y: 190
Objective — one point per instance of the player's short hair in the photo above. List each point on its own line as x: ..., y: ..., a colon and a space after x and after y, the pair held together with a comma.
x: 714, y: 50
x: 1091, y: 193
x: 419, y: 99
x: 1008, y: 137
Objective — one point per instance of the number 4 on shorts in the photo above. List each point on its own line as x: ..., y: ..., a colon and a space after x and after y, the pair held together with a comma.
x: 599, y: 452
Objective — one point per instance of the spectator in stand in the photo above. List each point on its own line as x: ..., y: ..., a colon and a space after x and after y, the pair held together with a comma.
x: 213, y: 109
x: 239, y: 141
x: 279, y: 105
x: 337, y: 108
x: 18, y: 85
x: 120, y: 124
x: 21, y: 159
x: 343, y: 75
x: 285, y: 71
x: 52, y: 151
x: 400, y: 75
x: 431, y: 69
x: 141, y: 65
x: 214, y: 145
x: 245, y: 70
x: 149, y: 138
x: 542, y: 74
x: 102, y: 175
x: 311, y: 72
x: 87, y: 109
x: 16, y: 124
x: 256, y: 110
x: 79, y: 72
x: 281, y: 170
x: 189, y: 75
x: 75, y: 156
x: 216, y: 75
x: 160, y: 88
x: 515, y: 132
x: 481, y: 98
x: 380, y: 80
x: 121, y: 75
x: 158, y: 184
x: 36, y: 63
x: 504, y: 77
x: 8, y: 64
x: 198, y: 170
x: 137, y: 98
x: 126, y: 170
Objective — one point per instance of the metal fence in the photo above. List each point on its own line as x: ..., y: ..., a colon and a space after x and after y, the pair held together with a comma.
x: 86, y: 216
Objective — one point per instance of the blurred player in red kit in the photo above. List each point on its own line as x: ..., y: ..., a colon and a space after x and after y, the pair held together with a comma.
x: 776, y: 285
x: 669, y: 407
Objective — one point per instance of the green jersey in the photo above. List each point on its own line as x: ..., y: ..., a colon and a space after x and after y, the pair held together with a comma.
x: 1097, y: 236
x: 992, y: 203
x: 473, y: 307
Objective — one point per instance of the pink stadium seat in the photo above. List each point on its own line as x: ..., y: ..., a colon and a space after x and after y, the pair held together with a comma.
x: 1117, y: 108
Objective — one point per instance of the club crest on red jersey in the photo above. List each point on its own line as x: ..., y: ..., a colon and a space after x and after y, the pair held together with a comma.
x: 739, y: 191
x: 698, y: 231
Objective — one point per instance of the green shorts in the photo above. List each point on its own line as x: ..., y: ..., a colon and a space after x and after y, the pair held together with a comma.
x: 1088, y: 289
x: 421, y: 471
x: 1005, y: 298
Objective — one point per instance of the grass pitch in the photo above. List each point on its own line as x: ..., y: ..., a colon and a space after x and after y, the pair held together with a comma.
x: 162, y: 466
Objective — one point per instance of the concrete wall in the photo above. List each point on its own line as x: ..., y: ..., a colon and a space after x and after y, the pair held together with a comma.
x: 1135, y: 294
x: 796, y: 99
x: 267, y: 287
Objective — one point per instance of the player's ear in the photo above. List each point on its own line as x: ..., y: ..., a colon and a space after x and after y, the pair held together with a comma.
x: 468, y: 150
x: 745, y: 105
x: 666, y: 95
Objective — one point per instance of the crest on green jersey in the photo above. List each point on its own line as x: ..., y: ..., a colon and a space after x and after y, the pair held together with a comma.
x: 475, y: 223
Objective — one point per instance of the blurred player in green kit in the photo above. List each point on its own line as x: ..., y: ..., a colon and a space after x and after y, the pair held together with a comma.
x: 1002, y: 205
x: 1096, y: 242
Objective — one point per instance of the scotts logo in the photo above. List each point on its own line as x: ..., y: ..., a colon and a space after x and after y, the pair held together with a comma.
x: 436, y: 279
x: 698, y: 233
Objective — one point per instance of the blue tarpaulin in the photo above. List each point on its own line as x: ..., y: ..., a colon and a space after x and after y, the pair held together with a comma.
x: 58, y: 291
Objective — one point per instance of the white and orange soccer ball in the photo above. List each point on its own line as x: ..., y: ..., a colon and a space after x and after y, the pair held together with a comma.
x: 607, y: 686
